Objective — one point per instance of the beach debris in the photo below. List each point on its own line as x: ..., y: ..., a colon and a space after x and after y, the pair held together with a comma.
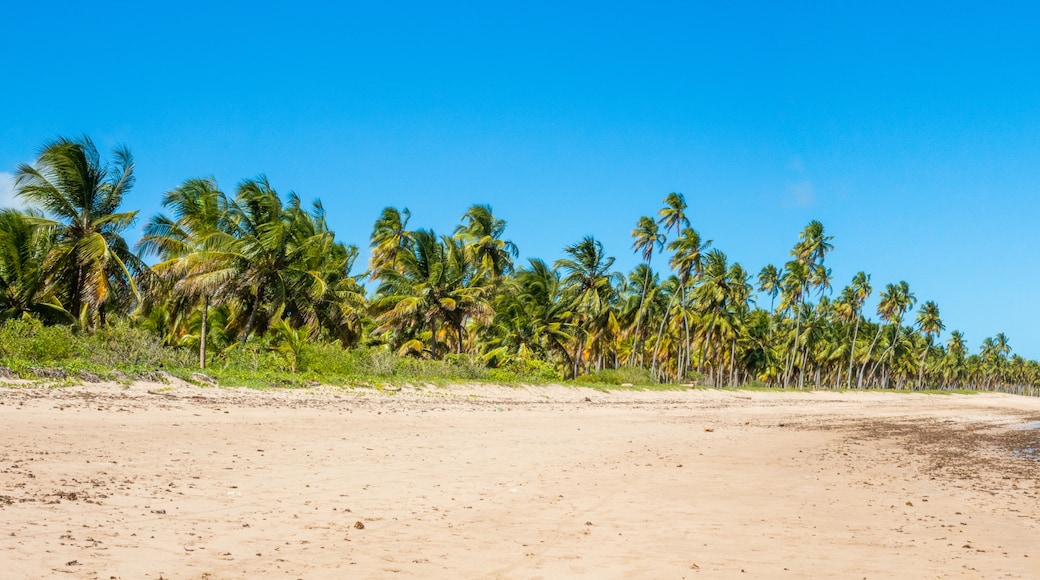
x: 709, y: 429
x: 359, y: 525
x: 72, y: 563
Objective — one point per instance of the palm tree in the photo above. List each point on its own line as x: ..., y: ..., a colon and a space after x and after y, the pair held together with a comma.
x: 956, y: 351
x: 275, y: 242
x: 646, y: 239
x: 795, y: 283
x: 91, y: 264
x: 194, y: 245
x: 769, y: 281
x: 590, y: 285
x: 532, y: 317
x: 809, y: 253
x: 859, y: 292
x: 930, y: 324
x: 434, y: 288
x: 712, y: 299
x: 25, y: 241
x: 895, y: 301
x: 390, y: 236
x: 482, y: 233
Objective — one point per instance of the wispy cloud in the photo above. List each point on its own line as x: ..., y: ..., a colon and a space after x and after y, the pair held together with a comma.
x: 801, y: 194
x: 7, y: 197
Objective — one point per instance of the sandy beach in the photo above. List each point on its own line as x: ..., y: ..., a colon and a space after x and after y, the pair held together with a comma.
x: 177, y: 481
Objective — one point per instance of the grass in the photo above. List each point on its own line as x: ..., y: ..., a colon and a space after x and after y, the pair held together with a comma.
x: 123, y: 353
x: 57, y: 356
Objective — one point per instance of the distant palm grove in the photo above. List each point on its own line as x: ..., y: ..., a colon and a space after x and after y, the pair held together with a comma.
x: 253, y: 265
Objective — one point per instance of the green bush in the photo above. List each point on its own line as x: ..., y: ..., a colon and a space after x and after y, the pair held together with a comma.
x: 27, y: 339
x: 621, y: 376
x: 122, y: 345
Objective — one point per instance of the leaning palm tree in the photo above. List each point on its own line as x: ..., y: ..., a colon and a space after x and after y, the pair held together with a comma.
x: 91, y: 265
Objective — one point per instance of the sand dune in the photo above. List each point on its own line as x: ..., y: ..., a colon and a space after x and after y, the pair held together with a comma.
x: 175, y: 481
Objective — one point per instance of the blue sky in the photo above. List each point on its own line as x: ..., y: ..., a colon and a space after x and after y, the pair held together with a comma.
x: 912, y: 133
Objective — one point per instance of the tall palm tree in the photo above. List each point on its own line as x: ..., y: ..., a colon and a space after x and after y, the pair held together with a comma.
x: 859, y: 291
x: 91, y: 264
x: 712, y: 298
x: 895, y: 301
x: 591, y: 286
x: 809, y: 253
x: 390, y: 237
x: 956, y: 351
x: 930, y: 324
x: 769, y: 282
x: 195, y: 247
x: 275, y: 242
x: 482, y: 233
x: 647, y: 239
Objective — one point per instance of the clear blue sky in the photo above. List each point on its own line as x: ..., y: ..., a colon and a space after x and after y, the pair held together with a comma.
x: 911, y: 130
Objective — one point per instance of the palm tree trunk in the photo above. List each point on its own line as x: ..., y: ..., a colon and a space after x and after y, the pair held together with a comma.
x: 252, y: 314
x: 920, y: 371
x: 794, y: 347
x: 733, y: 362
x: 866, y: 359
x: 433, y: 338
x: 202, y: 334
x: 686, y: 327
x: 660, y: 333
x: 639, y: 318
x: 852, y: 349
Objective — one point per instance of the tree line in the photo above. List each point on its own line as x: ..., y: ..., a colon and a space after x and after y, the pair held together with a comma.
x: 234, y: 267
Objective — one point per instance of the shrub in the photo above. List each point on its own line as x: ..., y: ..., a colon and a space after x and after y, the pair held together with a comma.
x: 27, y: 339
x: 619, y: 376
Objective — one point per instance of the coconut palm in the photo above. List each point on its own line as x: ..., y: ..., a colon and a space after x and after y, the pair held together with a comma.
x: 647, y: 239
x: 859, y: 291
x: 434, y: 288
x: 390, y: 237
x: 25, y: 241
x: 482, y: 233
x: 195, y: 248
x: 769, y: 282
x: 275, y: 242
x: 895, y: 301
x: 590, y: 285
x: 930, y: 324
x: 90, y: 264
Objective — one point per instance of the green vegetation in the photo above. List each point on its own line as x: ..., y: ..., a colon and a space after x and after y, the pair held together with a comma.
x: 253, y: 288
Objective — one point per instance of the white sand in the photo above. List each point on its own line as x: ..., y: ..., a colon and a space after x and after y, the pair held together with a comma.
x: 150, y: 481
